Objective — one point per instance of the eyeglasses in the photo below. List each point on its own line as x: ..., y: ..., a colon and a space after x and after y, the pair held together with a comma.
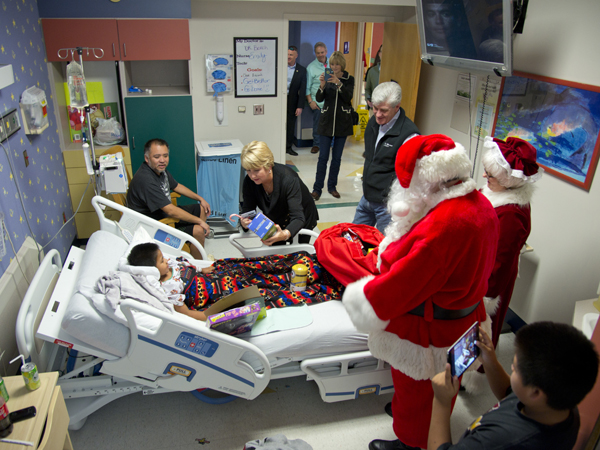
x: 488, y: 175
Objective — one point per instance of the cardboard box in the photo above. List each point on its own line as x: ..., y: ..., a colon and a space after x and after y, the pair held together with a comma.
x: 235, y: 321
x: 244, y: 297
x: 262, y: 226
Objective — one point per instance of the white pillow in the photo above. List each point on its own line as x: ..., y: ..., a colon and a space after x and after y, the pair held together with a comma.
x: 141, y: 236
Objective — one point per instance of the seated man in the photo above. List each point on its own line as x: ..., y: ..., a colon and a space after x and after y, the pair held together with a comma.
x: 553, y: 369
x: 150, y: 194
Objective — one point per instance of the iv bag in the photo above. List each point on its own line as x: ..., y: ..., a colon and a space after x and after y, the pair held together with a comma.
x: 76, y: 83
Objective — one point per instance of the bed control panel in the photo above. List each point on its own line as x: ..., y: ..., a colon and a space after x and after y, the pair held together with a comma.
x: 166, y: 238
x: 196, y: 344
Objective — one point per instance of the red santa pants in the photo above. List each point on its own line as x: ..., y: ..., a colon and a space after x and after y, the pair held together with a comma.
x: 411, y: 407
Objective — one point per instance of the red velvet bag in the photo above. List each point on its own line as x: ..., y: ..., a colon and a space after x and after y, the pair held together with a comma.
x: 349, y: 251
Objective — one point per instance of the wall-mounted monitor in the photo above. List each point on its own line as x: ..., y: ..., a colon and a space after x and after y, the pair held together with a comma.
x: 467, y: 35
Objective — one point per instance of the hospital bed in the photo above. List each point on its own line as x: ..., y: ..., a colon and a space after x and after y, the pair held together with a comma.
x: 101, y: 360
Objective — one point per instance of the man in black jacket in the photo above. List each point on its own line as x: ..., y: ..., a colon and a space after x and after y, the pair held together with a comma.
x: 296, y: 83
x: 386, y: 131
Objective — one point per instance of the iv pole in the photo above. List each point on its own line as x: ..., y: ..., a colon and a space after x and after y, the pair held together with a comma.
x: 93, y: 164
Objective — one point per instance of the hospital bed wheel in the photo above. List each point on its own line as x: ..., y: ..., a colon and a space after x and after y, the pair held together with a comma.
x: 200, y: 394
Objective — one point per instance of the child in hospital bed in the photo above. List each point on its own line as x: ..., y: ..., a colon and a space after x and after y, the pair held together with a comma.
x: 149, y: 255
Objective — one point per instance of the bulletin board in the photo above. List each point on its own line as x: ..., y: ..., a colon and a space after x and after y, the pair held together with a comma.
x: 255, y: 67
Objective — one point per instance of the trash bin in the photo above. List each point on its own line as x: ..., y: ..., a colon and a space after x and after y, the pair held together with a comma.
x: 363, y: 118
x: 219, y: 174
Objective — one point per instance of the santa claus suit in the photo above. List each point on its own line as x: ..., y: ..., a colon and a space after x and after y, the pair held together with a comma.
x: 514, y: 216
x: 511, y: 169
x: 442, y: 262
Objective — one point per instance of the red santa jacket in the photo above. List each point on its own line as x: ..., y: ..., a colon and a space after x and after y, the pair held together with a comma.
x: 514, y: 215
x: 445, y: 258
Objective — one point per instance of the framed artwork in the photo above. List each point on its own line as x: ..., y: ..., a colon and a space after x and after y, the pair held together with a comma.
x: 561, y: 119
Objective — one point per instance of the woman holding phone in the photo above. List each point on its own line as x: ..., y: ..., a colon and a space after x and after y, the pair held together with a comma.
x: 336, y: 92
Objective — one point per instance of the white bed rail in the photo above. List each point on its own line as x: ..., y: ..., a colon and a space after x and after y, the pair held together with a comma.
x: 168, y: 238
x: 33, y: 308
x: 184, y: 355
x: 253, y: 251
x: 348, y: 376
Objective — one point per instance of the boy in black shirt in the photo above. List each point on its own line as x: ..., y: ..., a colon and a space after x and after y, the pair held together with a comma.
x: 553, y: 369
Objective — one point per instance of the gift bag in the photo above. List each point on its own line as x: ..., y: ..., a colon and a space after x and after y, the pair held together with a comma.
x: 349, y: 251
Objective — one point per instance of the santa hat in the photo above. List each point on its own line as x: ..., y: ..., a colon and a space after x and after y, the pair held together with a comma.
x: 516, y: 156
x: 439, y: 159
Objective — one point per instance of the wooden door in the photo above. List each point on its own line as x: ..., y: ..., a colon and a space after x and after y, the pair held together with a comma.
x: 155, y: 39
x: 168, y: 118
x: 401, y: 62
x: 348, y: 34
x: 70, y: 33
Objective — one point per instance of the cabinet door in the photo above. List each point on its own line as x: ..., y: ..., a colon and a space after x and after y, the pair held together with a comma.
x: 168, y: 118
x: 158, y: 39
x: 71, y: 33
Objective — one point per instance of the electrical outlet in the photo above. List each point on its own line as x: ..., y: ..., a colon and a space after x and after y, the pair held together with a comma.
x: 10, y: 124
x: 259, y: 109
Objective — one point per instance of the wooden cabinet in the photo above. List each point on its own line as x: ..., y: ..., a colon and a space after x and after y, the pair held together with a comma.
x: 154, y: 39
x: 86, y: 220
x: 70, y: 33
x: 121, y: 39
x: 168, y: 118
x: 48, y: 429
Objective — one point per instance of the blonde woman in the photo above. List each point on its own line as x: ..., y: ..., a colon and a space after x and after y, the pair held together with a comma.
x: 336, y: 122
x: 279, y: 193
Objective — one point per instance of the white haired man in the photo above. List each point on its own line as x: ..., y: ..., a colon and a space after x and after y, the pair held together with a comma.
x: 387, y: 130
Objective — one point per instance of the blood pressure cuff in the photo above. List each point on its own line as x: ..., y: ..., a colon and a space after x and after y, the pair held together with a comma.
x: 349, y: 251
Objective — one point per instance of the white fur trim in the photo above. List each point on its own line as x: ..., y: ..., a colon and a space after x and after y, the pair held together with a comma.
x: 400, y: 209
x: 360, y: 310
x: 516, y: 196
x: 444, y: 165
x: 411, y: 359
x: 495, y: 152
x: 491, y: 304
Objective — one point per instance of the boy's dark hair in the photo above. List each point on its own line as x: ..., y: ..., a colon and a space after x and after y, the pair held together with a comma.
x: 143, y: 255
x: 558, y: 359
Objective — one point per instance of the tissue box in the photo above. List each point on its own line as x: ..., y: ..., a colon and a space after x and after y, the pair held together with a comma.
x: 262, y: 226
x: 235, y: 321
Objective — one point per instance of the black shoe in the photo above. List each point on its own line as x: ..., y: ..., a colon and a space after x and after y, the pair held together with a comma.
x: 289, y: 151
x: 379, y: 444
x: 388, y: 409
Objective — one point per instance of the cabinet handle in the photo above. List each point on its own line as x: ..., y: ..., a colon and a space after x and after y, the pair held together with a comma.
x: 133, y: 139
x: 124, y: 50
x: 114, y: 54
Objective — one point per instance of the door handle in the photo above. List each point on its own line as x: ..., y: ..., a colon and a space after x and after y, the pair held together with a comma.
x: 133, y: 139
x: 124, y: 50
x: 114, y: 54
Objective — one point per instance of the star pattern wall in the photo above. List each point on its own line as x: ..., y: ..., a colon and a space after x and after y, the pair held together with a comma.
x: 41, y: 175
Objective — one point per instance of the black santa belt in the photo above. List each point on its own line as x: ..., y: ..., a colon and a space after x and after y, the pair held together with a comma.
x: 440, y: 313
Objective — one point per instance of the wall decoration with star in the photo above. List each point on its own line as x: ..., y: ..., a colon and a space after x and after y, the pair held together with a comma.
x: 34, y: 163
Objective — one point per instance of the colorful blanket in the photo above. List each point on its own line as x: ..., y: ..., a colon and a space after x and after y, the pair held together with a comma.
x: 272, y: 276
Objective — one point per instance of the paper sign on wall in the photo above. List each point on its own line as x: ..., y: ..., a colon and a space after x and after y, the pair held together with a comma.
x: 255, y: 67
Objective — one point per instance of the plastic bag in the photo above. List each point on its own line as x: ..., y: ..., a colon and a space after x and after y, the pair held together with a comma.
x: 109, y: 132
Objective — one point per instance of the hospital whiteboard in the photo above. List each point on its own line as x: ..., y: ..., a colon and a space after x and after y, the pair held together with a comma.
x: 255, y: 67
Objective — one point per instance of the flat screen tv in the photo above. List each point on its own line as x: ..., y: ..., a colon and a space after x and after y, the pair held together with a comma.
x: 467, y: 35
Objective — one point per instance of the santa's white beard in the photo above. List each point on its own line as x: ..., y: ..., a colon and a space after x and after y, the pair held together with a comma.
x: 407, y: 206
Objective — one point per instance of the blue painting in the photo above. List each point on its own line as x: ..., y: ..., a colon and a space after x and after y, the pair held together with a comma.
x: 560, y: 119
